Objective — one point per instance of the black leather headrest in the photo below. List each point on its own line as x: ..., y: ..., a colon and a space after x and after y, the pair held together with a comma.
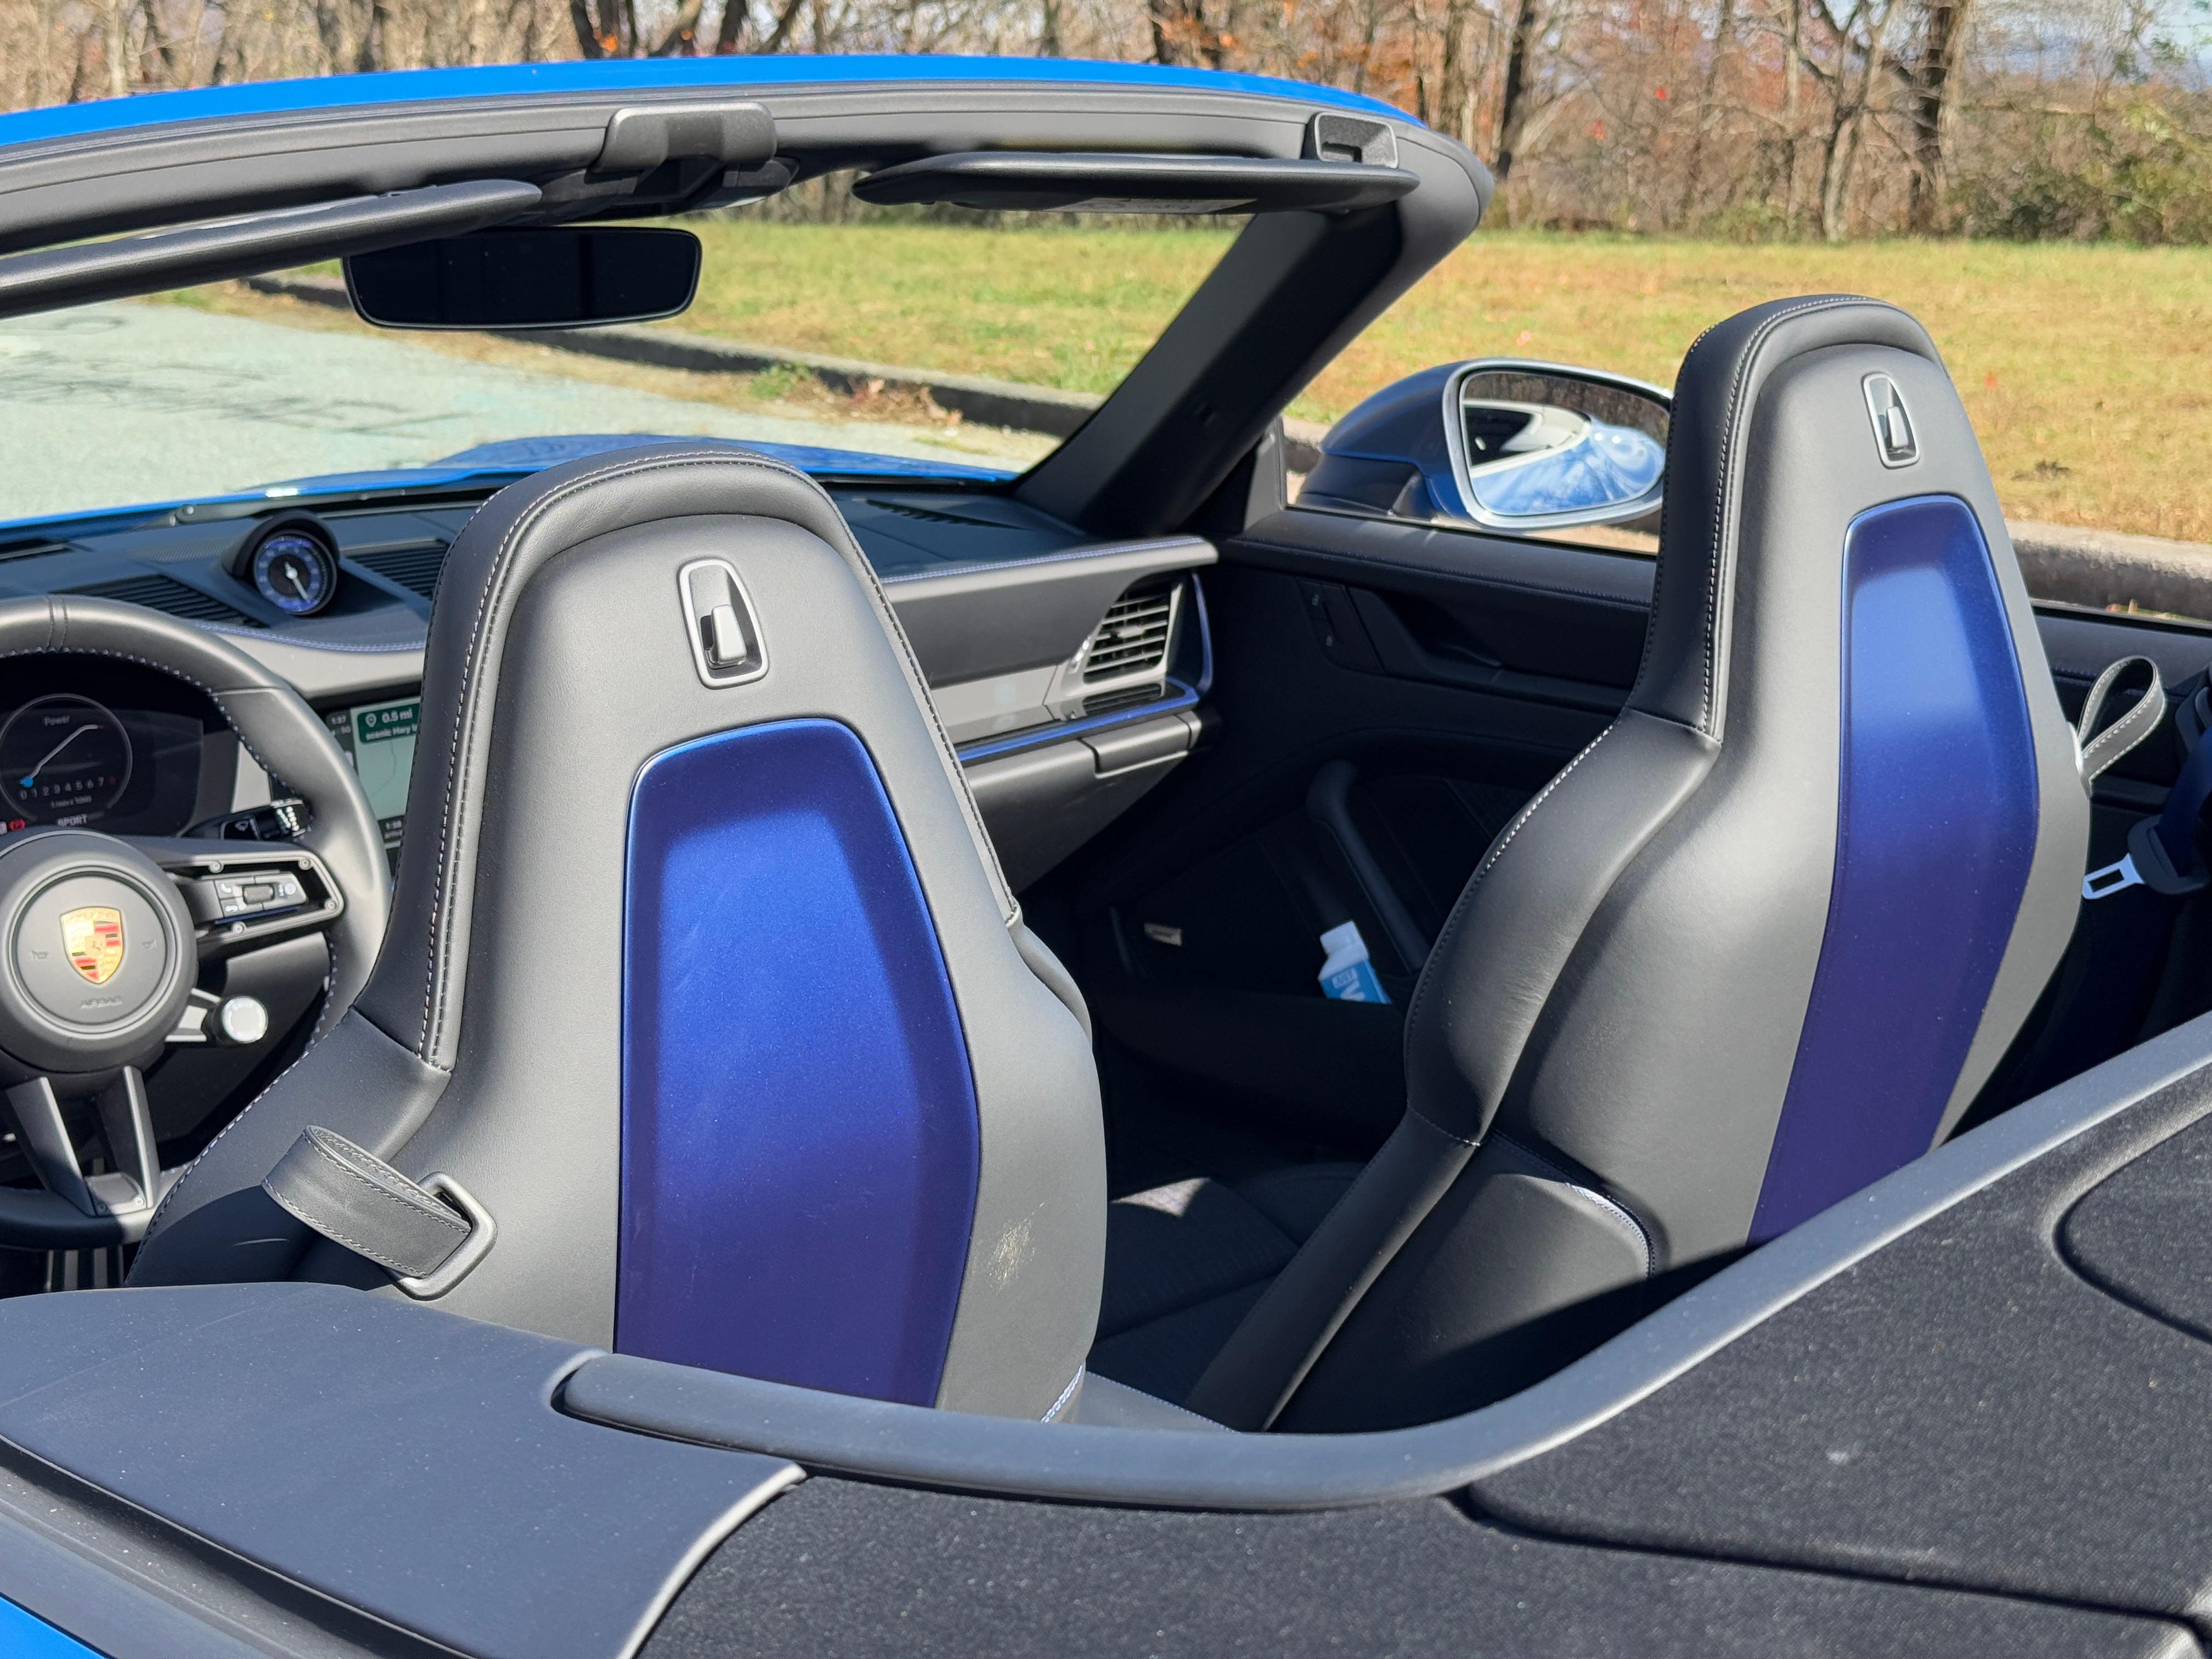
x: 1716, y: 400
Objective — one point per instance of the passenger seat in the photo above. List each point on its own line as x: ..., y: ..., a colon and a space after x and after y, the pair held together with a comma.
x: 1758, y: 944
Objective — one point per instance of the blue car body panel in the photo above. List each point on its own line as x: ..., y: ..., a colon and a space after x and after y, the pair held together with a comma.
x: 742, y: 73
x: 491, y: 466
x: 25, y: 1635
x: 534, y: 454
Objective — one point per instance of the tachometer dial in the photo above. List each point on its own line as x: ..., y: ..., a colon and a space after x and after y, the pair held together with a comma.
x: 64, y: 758
x: 295, y: 570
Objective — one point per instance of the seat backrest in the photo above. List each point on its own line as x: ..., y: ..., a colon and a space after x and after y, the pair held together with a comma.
x: 1758, y: 944
x: 702, y: 977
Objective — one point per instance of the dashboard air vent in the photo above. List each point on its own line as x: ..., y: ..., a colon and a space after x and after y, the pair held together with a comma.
x: 415, y: 569
x: 1134, y: 638
x: 166, y: 594
x: 1129, y: 697
x: 931, y: 515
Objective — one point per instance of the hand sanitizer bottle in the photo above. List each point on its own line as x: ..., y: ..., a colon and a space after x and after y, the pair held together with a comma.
x: 1348, y: 975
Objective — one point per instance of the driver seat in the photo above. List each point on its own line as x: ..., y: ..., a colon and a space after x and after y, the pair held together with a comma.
x: 702, y: 981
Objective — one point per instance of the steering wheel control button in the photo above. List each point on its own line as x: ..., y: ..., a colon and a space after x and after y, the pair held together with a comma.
x: 257, y: 895
x: 719, y: 620
x: 241, y: 1022
x: 100, y: 958
x: 90, y: 949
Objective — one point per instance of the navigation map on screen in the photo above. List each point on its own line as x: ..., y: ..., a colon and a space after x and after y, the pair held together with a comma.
x: 379, y: 738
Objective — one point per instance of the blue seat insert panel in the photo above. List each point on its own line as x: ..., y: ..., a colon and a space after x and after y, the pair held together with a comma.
x: 800, y: 1148
x: 1937, y: 817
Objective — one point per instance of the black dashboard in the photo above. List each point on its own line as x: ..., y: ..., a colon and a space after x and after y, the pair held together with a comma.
x: 1044, y: 649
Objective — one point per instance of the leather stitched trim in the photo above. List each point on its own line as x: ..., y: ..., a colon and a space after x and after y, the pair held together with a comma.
x: 1580, y: 1184
x: 1728, y: 498
x: 1360, y: 561
x: 1451, y: 927
x: 494, y: 601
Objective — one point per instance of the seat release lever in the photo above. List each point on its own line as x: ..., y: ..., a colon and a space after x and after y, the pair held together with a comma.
x: 725, y: 639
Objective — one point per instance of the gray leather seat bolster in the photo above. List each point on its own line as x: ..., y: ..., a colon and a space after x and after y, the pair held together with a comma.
x: 1105, y: 1404
x: 1517, y: 1266
x: 1051, y: 972
x: 1301, y: 1312
x: 1524, y: 910
x: 1684, y: 672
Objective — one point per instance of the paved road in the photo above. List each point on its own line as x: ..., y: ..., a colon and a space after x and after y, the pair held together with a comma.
x: 111, y: 405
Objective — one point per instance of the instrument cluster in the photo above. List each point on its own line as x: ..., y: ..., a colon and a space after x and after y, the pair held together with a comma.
x: 87, y: 742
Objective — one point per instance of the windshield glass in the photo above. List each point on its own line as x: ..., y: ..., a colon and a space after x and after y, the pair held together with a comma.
x: 912, y: 342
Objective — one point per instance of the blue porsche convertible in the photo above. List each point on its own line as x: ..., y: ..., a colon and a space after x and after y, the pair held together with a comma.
x: 642, y: 1016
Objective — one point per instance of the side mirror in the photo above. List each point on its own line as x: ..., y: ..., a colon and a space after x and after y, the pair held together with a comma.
x: 1524, y: 447
x: 523, y: 279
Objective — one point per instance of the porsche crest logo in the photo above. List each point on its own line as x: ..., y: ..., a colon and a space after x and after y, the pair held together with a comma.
x: 94, y: 938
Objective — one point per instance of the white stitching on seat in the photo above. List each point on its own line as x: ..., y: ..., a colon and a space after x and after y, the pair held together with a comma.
x: 1575, y: 1183
x: 439, y: 943
x: 1722, y: 494
x: 1466, y: 894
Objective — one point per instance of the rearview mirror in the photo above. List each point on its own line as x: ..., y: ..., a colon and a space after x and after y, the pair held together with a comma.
x: 1534, y: 449
x: 523, y: 279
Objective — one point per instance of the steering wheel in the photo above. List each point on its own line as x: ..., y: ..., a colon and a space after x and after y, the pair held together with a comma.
x: 102, y: 937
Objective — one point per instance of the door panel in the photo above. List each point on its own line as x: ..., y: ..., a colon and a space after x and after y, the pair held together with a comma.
x: 1455, y: 673
x: 1195, y: 924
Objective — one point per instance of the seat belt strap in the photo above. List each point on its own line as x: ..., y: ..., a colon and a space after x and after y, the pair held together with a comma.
x: 2162, y: 851
x: 2100, y: 749
x: 427, y: 1236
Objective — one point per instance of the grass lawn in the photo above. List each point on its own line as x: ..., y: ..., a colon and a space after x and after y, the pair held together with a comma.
x: 2087, y: 370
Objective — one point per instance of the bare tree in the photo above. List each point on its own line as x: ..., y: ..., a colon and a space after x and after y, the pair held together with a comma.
x: 1943, y: 34
x: 1850, y: 94
x: 1513, y: 99
x: 1692, y: 174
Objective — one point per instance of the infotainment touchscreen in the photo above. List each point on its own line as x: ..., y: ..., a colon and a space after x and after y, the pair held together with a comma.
x: 379, y: 738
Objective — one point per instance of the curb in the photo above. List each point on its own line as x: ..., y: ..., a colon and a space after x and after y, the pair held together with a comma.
x: 2100, y: 569
x: 2105, y: 570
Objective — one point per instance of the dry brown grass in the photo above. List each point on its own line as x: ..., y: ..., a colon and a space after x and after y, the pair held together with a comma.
x: 2087, y: 370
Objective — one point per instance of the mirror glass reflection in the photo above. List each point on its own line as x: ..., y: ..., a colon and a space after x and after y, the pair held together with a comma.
x: 1541, y: 445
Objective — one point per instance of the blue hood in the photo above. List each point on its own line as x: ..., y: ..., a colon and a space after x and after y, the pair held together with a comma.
x: 491, y: 464
x: 535, y: 454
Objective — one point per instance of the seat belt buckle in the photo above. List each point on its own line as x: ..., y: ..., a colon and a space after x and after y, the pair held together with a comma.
x: 2113, y: 878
